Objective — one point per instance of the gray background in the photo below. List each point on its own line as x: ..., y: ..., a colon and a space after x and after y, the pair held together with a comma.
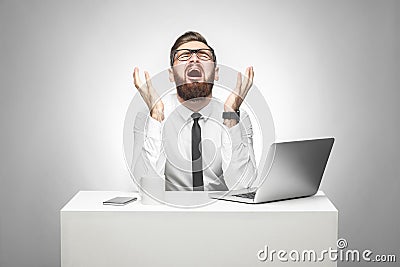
x: 326, y: 68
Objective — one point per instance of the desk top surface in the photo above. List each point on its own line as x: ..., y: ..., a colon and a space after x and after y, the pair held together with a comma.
x: 194, y: 202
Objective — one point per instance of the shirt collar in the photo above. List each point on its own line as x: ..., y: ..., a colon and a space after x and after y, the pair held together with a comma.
x: 186, y: 113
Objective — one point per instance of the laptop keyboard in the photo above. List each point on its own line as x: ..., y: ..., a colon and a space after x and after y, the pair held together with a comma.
x: 250, y: 195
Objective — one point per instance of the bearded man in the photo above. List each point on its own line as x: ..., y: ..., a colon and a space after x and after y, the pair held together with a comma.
x: 195, y: 141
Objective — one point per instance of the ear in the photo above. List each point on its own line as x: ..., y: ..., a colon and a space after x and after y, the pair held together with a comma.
x: 216, y: 76
x: 171, y: 75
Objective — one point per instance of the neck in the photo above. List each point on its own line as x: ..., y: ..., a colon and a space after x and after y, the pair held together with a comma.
x: 195, y: 104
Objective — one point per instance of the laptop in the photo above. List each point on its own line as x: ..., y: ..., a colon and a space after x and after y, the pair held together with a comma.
x: 292, y: 170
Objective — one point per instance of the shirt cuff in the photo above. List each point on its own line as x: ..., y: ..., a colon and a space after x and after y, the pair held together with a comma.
x: 153, y: 128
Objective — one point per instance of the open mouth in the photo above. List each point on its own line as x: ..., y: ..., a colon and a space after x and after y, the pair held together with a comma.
x: 194, y: 74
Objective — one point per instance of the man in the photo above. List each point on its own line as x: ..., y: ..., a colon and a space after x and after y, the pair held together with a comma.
x: 195, y: 141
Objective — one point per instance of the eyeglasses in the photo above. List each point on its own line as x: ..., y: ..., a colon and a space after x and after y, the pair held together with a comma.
x: 202, y: 54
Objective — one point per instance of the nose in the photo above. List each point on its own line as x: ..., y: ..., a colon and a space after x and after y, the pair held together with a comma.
x: 194, y: 58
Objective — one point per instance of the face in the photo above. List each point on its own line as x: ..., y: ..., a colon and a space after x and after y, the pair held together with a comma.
x: 194, y: 77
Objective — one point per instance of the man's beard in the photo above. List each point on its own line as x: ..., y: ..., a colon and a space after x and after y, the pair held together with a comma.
x: 194, y: 90
x: 191, y: 90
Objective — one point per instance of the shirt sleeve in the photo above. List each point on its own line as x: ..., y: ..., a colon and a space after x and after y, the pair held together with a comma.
x: 148, y: 158
x: 238, y: 160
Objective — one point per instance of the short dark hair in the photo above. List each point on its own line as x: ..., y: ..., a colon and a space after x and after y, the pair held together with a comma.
x: 185, y: 38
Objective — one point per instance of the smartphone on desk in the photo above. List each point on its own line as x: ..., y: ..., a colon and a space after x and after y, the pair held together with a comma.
x: 119, y: 201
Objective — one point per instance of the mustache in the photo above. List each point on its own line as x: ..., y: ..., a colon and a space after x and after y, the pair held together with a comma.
x: 194, y: 66
x: 181, y: 78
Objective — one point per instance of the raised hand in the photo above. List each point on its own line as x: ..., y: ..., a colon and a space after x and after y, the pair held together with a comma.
x: 235, y: 99
x: 149, y: 95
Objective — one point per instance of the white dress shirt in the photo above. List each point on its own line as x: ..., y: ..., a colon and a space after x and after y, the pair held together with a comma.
x: 165, y: 148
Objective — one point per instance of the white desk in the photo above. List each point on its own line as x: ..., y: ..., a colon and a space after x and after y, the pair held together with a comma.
x: 221, y: 234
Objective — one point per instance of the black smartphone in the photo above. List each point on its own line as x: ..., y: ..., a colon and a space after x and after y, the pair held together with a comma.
x: 119, y: 201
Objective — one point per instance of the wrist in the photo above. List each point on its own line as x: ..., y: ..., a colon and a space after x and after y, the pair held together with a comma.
x: 231, y: 118
x: 157, y: 114
x: 230, y: 123
x: 230, y: 108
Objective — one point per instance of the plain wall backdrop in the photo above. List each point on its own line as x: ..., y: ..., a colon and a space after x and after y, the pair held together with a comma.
x: 326, y: 68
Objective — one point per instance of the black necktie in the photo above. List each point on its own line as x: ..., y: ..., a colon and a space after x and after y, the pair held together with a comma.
x: 197, y: 162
